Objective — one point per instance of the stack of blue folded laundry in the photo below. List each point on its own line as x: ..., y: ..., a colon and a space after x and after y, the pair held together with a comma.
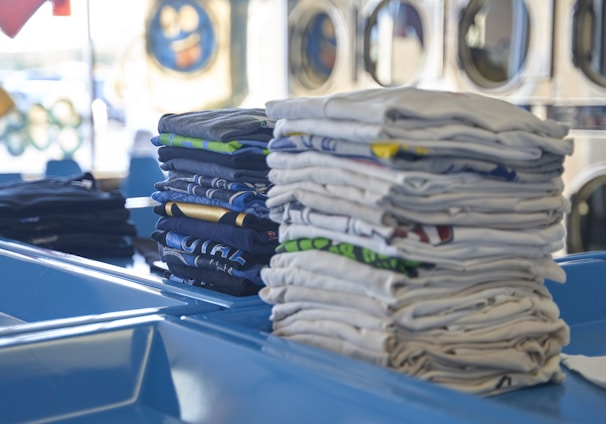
x: 214, y: 229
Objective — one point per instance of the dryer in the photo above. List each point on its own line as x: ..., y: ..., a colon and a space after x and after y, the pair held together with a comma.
x: 321, y: 46
x: 196, y: 54
x: 400, y: 42
x: 500, y: 48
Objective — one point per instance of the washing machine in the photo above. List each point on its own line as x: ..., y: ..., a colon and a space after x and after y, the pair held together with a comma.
x: 321, y: 46
x: 196, y: 54
x: 500, y: 48
x: 580, y: 102
x: 580, y: 53
x: 400, y: 42
x: 586, y: 221
x: 584, y: 180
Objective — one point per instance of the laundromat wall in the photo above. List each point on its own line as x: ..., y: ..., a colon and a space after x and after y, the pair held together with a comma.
x: 159, y: 56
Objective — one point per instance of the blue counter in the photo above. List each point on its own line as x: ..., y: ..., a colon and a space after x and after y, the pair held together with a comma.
x: 84, y: 341
x: 157, y: 369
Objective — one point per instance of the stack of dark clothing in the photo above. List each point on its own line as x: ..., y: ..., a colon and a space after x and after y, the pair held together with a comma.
x: 71, y: 215
x: 214, y: 229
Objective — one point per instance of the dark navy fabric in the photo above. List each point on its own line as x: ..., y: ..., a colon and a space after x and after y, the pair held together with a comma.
x: 220, y: 124
x: 175, y: 256
x: 237, y: 258
x: 69, y: 214
x: 56, y: 194
x: 222, y: 216
x: 216, y: 170
x: 242, y: 161
x: 212, y: 280
x: 258, y: 209
x: 217, y: 182
x: 107, y: 221
x: 239, y: 200
x: 258, y: 242
x: 89, y: 245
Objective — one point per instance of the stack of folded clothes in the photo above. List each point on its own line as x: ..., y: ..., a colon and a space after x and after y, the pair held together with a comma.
x: 416, y: 230
x: 214, y: 229
x: 70, y: 215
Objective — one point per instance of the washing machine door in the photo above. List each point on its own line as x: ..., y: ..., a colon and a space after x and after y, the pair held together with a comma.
x: 196, y: 54
x: 394, y: 46
x: 501, y: 48
x: 586, y: 222
x: 588, y: 40
x: 493, y: 41
x: 580, y: 53
x: 320, y: 47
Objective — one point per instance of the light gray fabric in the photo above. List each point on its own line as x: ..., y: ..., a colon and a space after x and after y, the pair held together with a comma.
x: 411, y: 108
x: 458, y: 135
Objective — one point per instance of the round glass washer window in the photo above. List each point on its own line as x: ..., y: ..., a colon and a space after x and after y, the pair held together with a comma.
x: 493, y: 41
x: 394, y: 43
x: 586, y: 221
x: 589, y: 39
x: 313, y: 50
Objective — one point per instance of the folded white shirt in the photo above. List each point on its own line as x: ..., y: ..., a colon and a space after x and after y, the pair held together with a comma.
x: 452, y: 255
x: 390, y: 283
x: 518, y: 328
x: 341, y: 346
x: 593, y: 368
x: 456, y: 134
x: 312, y: 269
x: 411, y: 107
x: 286, y: 313
x: 492, y: 382
x: 435, y: 235
x: 465, y: 200
x: 475, y: 268
x: 290, y: 168
x: 373, y: 340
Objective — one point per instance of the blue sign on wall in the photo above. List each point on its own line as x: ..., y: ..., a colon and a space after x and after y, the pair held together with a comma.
x: 181, y: 36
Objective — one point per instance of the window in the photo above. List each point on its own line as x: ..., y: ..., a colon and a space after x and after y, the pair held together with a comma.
x: 69, y: 79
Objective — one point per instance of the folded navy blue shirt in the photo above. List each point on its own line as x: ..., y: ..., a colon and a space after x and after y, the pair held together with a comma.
x: 260, y: 242
x: 216, y: 170
x: 243, y: 161
x: 56, y: 194
x: 220, y: 124
x: 213, y: 280
x: 237, y: 258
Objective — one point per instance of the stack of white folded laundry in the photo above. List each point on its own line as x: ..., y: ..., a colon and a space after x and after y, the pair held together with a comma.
x: 416, y: 231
